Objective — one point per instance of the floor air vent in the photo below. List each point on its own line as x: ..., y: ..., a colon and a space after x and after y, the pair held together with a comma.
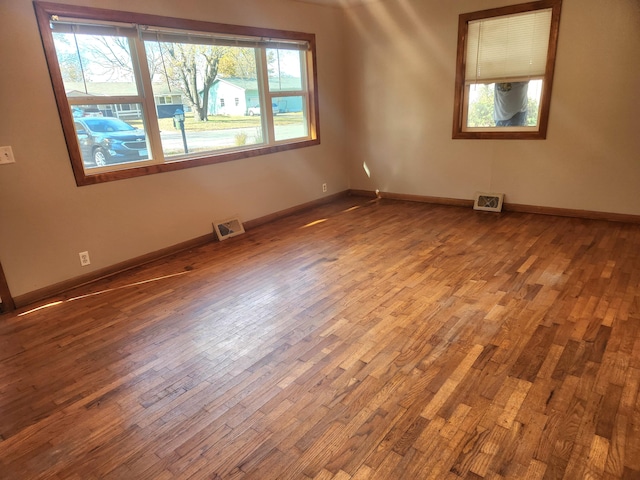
x: 228, y: 228
x: 491, y: 202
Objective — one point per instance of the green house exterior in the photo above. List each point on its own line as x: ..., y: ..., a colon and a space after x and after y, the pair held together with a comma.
x: 234, y: 96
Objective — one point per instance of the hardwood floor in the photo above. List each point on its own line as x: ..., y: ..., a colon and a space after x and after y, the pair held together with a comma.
x: 365, y: 339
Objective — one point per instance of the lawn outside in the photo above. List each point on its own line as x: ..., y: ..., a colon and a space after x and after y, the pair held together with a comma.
x: 223, y: 132
x: 221, y: 122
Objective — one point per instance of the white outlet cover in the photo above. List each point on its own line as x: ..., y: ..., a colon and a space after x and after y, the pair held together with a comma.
x: 6, y: 155
x: 84, y: 259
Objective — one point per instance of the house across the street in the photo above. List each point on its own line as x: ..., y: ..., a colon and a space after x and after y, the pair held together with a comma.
x: 238, y: 96
x: 167, y: 101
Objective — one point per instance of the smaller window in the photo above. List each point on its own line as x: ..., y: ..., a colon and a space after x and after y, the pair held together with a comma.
x: 237, y: 101
x: 504, y: 71
x: 222, y: 102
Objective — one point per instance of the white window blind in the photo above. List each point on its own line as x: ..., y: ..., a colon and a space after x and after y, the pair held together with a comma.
x: 64, y: 25
x: 107, y: 29
x: 217, y: 39
x: 508, y: 48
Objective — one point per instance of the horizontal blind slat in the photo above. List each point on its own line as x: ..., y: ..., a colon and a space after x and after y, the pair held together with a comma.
x: 511, y: 46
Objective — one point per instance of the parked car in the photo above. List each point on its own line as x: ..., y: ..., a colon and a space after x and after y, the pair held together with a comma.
x: 255, y: 110
x: 79, y: 112
x: 105, y: 141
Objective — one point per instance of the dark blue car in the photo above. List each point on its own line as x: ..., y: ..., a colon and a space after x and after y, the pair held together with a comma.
x: 105, y: 141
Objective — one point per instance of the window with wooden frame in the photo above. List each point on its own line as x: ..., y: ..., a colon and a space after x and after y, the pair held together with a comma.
x: 141, y: 94
x: 504, y: 72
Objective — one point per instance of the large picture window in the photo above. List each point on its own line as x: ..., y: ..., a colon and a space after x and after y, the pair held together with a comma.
x: 504, y: 75
x: 141, y: 94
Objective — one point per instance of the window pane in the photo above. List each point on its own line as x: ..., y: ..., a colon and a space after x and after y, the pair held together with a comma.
x: 105, y: 139
x: 220, y: 111
x: 291, y: 121
x: 508, y: 104
x: 180, y: 137
x: 95, y: 64
x: 285, y: 70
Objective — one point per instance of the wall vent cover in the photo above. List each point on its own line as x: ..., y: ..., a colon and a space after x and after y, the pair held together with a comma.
x: 228, y: 228
x: 491, y: 202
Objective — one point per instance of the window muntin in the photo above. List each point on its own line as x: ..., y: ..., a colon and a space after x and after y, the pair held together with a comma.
x: 86, y: 79
x: 505, y: 69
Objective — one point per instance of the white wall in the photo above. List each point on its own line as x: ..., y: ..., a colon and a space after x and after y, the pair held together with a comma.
x: 46, y: 219
x: 401, y: 77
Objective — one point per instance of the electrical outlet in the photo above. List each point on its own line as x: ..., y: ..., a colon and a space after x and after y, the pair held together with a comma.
x: 324, y: 187
x: 6, y: 155
x: 84, y: 259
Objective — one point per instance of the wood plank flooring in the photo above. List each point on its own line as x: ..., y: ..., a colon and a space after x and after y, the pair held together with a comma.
x: 364, y: 339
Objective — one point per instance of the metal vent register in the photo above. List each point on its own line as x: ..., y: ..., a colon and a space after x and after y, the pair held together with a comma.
x: 228, y: 228
x: 491, y: 202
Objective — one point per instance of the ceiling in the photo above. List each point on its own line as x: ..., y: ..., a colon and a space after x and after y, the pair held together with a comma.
x: 338, y: 3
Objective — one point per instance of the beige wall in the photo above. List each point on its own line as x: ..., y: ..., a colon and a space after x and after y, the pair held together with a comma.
x: 386, y: 75
x: 46, y: 220
x: 401, y: 77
